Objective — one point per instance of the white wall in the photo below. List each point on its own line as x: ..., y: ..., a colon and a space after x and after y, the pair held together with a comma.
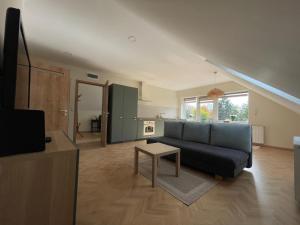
x: 280, y: 123
x: 4, y: 4
x: 161, y: 101
x: 90, y: 105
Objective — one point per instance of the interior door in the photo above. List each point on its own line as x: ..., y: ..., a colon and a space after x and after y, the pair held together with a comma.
x: 49, y: 92
x: 130, y: 100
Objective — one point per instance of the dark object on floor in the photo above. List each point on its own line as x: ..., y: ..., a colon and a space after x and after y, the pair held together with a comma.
x: 220, y: 149
x: 96, y: 125
x: 22, y: 131
x: 48, y: 139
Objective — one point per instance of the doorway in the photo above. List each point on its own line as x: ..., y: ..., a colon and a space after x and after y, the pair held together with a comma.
x: 90, y: 119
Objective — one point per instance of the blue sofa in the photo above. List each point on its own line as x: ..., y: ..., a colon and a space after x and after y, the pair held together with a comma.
x: 220, y: 149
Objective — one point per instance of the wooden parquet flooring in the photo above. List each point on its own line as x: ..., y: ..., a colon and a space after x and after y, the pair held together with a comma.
x: 110, y: 194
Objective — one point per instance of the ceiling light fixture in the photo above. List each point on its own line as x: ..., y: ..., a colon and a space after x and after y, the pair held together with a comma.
x: 132, y: 38
x: 215, y: 93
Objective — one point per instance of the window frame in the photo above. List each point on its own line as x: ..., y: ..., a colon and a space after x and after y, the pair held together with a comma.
x: 205, y: 99
x: 188, y: 100
x: 200, y: 99
x: 234, y: 94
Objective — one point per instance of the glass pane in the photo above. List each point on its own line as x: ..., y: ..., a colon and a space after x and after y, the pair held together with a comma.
x: 206, y: 111
x: 233, y: 108
x: 189, y: 110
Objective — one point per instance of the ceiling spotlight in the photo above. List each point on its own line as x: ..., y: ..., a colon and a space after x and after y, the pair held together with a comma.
x: 68, y: 54
x: 132, y: 38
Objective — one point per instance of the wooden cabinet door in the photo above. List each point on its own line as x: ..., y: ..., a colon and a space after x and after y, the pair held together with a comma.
x: 49, y: 92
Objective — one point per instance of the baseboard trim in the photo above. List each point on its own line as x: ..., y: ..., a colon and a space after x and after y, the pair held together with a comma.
x: 276, y: 147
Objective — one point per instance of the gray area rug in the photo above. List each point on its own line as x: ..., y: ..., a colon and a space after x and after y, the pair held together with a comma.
x: 187, y: 188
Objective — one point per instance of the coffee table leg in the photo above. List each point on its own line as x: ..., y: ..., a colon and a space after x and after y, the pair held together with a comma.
x: 177, y: 164
x: 154, y: 170
x: 136, y: 162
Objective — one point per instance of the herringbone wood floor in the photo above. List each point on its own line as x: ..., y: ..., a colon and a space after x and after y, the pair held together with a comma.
x: 110, y: 194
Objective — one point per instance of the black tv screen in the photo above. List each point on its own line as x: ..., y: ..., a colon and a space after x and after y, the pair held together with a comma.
x: 15, y: 81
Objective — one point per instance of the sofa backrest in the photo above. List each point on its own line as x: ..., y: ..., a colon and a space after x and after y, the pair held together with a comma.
x: 196, y: 132
x: 173, y: 129
x: 235, y: 136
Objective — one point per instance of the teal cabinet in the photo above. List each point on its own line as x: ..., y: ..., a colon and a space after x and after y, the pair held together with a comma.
x: 115, y: 116
x: 130, y: 104
x: 122, y: 120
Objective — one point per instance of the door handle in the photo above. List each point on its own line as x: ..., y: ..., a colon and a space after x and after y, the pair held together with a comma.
x: 65, y: 111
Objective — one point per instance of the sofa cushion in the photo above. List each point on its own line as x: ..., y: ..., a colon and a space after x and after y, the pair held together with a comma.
x: 166, y: 140
x: 203, y: 153
x: 213, y: 155
x: 173, y: 129
x: 196, y: 132
x: 233, y: 136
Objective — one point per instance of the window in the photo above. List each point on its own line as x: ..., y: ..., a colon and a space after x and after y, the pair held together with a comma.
x: 189, y: 109
x: 206, y: 110
x: 233, y: 107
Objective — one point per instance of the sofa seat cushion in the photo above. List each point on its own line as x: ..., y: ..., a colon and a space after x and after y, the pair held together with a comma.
x: 196, y: 132
x: 213, y: 156
x: 166, y: 140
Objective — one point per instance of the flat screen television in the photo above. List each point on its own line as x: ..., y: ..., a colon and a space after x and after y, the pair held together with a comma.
x: 16, y: 67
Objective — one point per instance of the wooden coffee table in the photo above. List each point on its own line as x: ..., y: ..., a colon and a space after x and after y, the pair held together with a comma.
x: 156, y: 150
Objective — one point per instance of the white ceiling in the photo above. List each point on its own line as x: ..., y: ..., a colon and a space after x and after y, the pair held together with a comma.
x: 260, y: 38
x: 94, y: 34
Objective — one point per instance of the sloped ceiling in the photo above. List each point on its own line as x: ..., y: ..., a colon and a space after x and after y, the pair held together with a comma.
x: 258, y: 38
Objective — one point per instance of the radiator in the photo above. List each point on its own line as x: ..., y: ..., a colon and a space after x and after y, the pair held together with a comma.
x: 258, y: 134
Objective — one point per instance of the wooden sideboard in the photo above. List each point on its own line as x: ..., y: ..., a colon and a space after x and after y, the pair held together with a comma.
x: 40, y: 188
